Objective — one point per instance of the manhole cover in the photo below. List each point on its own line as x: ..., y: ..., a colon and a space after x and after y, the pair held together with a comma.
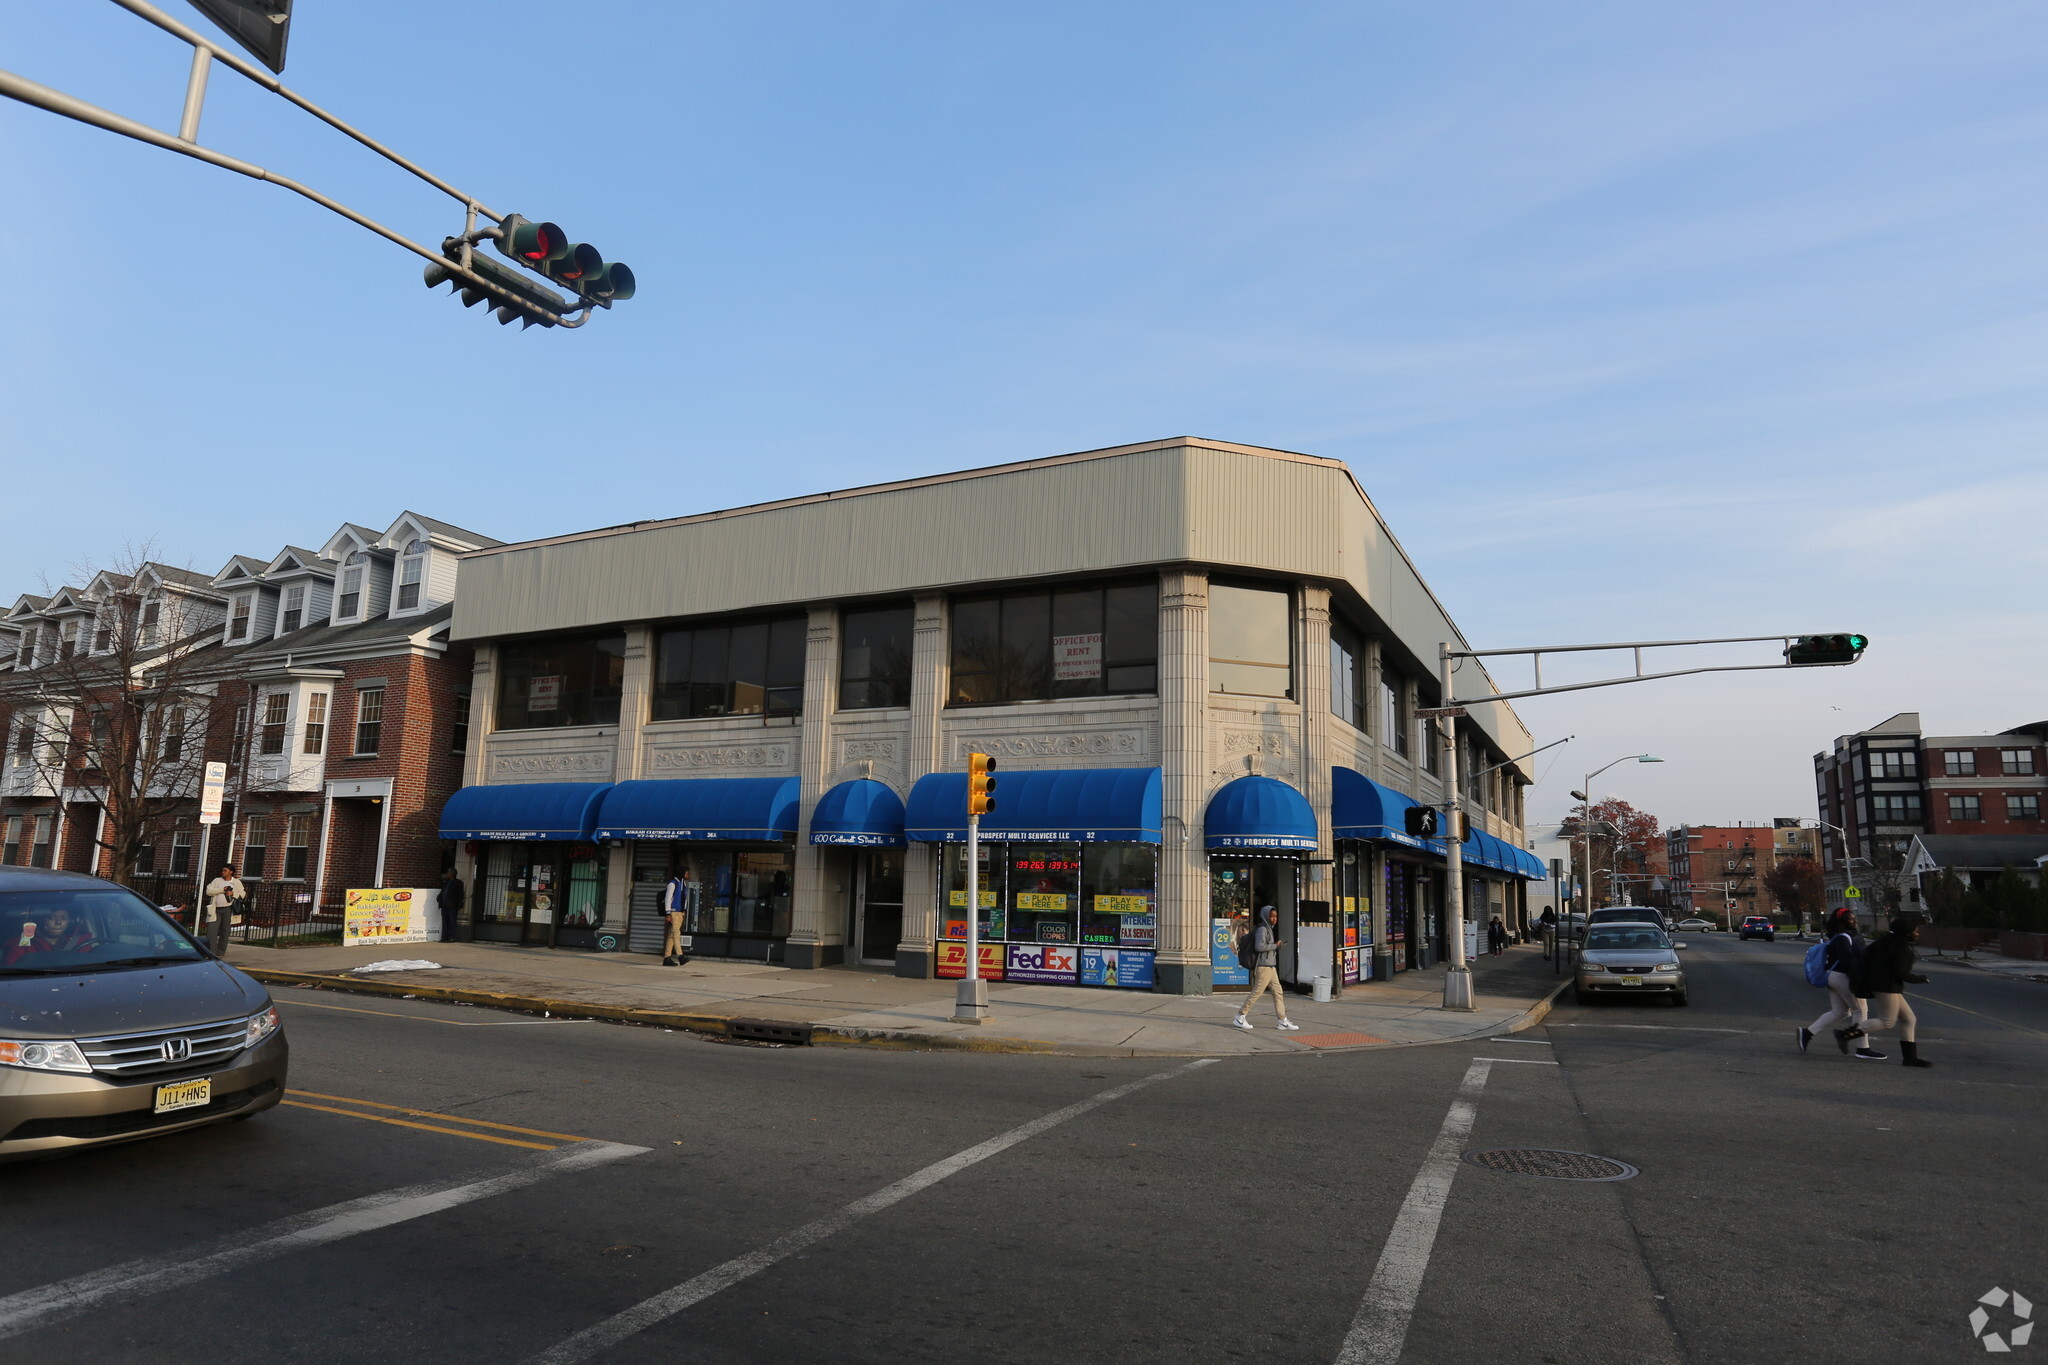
x: 1550, y: 1163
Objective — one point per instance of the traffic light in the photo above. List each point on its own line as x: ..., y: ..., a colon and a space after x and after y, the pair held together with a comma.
x: 537, y: 304
x: 1825, y: 649
x: 575, y: 265
x: 1421, y: 822
x: 981, y: 784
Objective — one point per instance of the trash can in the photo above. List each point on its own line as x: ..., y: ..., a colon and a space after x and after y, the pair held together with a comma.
x: 1321, y: 989
x: 1383, y: 964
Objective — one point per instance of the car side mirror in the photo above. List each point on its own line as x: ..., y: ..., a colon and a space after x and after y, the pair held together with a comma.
x: 1679, y: 946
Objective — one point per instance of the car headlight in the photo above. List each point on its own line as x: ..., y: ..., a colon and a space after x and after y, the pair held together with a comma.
x: 57, y: 1056
x: 1665, y: 967
x: 1591, y: 967
x: 261, y: 1026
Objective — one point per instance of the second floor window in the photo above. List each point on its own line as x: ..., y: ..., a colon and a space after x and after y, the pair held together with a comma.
x: 292, y: 611
x: 1250, y: 641
x: 1394, y: 711
x: 2016, y: 762
x: 369, y: 720
x: 1895, y: 810
x: 316, y: 723
x: 1074, y: 642
x: 874, y: 658
x: 1349, y: 692
x: 1965, y: 808
x: 561, y: 680
x: 458, y: 733
x: 349, y: 602
x: 1894, y: 763
x: 152, y: 614
x: 277, y: 715
x: 2023, y: 807
x: 174, y: 736
x: 1959, y: 763
x: 238, y: 617
x: 68, y: 640
x: 411, y: 570
x: 749, y: 668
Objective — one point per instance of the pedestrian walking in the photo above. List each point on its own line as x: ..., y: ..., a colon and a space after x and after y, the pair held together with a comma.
x: 451, y: 901
x: 1883, y: 972
x: 1266, y: 943
x: 1839, y: 951
x: 675, y: 909
x: 224, y: 895
x: 1496, y: 936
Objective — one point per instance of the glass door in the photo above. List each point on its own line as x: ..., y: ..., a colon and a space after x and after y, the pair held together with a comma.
x: 878, y: 907
x: 543, y: 899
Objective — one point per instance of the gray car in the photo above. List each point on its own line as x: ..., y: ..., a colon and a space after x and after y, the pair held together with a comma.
x: 1629, y: 959
x: 116, y: 1024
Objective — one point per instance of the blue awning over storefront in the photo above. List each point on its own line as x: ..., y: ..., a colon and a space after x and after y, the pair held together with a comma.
x: 1361, y: 808
x: 1086, y: 805
x: 864, y: 813
x: 1483, y: 850
x: 1527, y: 864
x: 753, y: 808
x: 524, y: 810
x: 1258, y: 812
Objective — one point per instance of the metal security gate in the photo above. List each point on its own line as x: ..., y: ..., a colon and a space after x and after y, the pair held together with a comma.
x: 650, y: 874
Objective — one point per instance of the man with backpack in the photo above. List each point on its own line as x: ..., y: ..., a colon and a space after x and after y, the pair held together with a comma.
x: 1262, y: 948
x: 1831, y: 963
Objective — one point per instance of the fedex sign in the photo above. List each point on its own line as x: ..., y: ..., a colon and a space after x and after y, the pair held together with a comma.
x: 1054, y: 962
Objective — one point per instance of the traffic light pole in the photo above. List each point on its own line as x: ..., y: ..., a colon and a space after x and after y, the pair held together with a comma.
x: 1458, y: 976
x: 971, y: 1005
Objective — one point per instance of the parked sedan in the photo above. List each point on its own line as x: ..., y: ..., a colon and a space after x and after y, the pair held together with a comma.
x: 1628, y: 959
x: 116, y: 1024
x: 1695, y: 925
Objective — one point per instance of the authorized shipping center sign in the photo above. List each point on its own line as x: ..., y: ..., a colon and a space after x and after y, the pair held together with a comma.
x: 398, y: 914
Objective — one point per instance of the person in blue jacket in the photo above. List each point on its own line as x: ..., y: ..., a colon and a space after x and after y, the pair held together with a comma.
x: 1839, y: 953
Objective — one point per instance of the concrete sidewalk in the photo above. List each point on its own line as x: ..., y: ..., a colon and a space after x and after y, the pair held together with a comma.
x: 865, y: 1005
x: 2019, y: 968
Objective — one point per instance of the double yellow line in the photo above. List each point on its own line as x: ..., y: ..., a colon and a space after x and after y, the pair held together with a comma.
x: 357, y: 1106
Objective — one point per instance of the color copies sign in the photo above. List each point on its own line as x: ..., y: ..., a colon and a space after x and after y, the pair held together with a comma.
x: 1076, y: 658
x: 1116, y: 967
x: 1057, y: 963
x: 391, y: 915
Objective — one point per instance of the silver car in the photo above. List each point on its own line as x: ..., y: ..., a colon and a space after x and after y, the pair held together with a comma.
x: 1629, y: 959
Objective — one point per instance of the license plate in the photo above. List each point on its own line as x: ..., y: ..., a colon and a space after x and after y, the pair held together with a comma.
x: 1631, y: 981
x: 184, y: 1095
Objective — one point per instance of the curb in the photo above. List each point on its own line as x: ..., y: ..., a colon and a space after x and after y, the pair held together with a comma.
x: 723, y: 1026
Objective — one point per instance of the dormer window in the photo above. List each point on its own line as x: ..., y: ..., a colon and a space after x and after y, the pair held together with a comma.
x: 238, y: 617
x: 350, y: 600
x: 411, y: 570
x: 68, y: 640
x: 102, y: 635
x: 292, y: 613
x: 152, y: 611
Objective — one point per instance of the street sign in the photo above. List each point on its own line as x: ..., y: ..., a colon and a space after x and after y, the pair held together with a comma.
x: 1854, y: 893
x: 211, y: 788
x: 1436, y: 712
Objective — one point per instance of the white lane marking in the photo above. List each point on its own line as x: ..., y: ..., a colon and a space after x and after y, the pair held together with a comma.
x: 1504, y: 1038
x: 1381, y: 1325
x: 1515, y: 1061
x: 1665, y: 1028
x: 46, y: 1304
x: 696, y: 1289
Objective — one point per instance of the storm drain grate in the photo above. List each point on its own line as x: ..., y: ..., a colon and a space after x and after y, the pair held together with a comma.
x: 768, y: 1031
x: 1550, y: 1164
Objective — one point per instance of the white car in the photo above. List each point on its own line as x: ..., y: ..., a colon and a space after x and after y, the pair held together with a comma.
x: 1695, y: 926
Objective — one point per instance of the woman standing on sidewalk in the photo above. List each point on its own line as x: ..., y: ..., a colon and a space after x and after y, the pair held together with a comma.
x: 1840, y: 953
x: 1883, y: 973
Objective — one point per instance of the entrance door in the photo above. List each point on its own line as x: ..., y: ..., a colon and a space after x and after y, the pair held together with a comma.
x: 1241, y: 888
x: 543, y: 899
x: 878, y: 906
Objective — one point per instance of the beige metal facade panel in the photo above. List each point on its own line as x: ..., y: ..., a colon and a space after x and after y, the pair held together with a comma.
x: 1247, y: 511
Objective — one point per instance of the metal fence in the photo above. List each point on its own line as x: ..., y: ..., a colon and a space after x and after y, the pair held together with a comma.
x: 275, y: 915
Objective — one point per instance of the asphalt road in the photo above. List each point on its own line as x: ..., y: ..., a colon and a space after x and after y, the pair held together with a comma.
x: 1788, y: 1207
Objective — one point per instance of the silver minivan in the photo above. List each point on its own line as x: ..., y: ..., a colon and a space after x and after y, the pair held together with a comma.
x: 116, y: 1024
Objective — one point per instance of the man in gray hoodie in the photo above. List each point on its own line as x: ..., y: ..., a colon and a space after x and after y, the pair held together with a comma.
x: 1266, y: 970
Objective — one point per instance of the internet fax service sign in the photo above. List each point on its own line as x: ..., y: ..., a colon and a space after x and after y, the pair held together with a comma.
x: 2018, y: 1334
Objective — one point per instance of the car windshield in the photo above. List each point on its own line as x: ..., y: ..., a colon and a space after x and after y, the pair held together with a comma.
x: 1625, y: 938
x: 90, y: 929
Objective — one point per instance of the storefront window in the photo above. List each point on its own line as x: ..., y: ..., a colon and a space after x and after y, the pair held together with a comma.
x: 1119, y: 908
x: 561, y: 680
x: 746, y: 668
x: 1044, y: 886
x: 991, y: 863
x: 1077, y: 642
x: 1250, y: 641
x: 874, y: 658
x: 743, y: 893
x: 1066, y: 913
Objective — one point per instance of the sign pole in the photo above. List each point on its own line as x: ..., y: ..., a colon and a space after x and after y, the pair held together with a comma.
x: 213, y: 785
x: 971, y: 1005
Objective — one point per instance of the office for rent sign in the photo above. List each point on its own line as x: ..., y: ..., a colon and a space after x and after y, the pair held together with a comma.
x: 390, y: 915
x: 1076, y: 657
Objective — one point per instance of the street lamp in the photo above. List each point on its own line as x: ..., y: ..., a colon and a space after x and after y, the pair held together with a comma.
x: 1585, y: 796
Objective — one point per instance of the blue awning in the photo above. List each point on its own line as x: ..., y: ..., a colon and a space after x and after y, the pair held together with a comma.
x: 1258, y: 812
x: 1483, y: 850
x: 1086, y: 805
x: 524, y: 810
x: 1361, y: 808
x: 754, y: 808
x: 864, y: 813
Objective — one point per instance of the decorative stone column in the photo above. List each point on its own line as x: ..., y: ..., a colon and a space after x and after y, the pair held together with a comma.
x: 916, y: 953
x: 483, y: 719
x: 636, y: 688
x: 1182, y: 967
x: 817, y: 935
x: 1312, y: 687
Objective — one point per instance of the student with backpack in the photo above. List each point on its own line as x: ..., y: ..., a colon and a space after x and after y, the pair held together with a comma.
x: 1830, y: 964
x: 1263, y: 948
x: 1882, y: 975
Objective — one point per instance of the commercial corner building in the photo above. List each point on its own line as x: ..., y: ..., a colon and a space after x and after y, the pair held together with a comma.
x: 1197, y: 663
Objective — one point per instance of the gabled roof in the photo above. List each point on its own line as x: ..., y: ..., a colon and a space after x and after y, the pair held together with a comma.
x: 172, y: 576
x: 1986, y: 852
x: 240, y: 567
x: 28, y: 604
x: 298, y: 559
x: 106, y: 581
x: 467, y: 540
x: 361, y: 638
x: 68, y: 599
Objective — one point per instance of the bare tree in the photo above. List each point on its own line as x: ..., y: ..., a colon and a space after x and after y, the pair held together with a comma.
x: 1623, y: 837
x: 117, y: 699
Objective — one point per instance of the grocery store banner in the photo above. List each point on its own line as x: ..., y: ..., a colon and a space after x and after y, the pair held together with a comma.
x: 391, y: 915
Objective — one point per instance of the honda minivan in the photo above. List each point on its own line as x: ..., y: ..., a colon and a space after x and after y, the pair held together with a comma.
x: 116, y: 1024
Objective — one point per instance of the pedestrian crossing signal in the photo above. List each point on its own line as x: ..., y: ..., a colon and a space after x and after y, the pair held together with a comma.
x: 1421, y: 822
x: 981, y: 784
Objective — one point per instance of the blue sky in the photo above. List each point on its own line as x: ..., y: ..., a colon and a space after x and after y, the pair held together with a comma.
x: 1637, y: 321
